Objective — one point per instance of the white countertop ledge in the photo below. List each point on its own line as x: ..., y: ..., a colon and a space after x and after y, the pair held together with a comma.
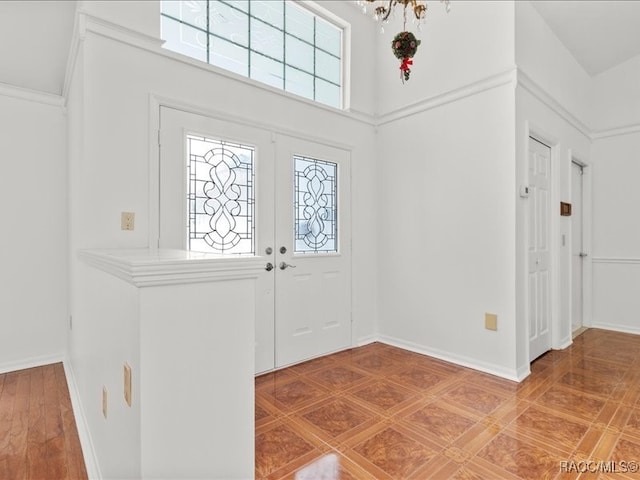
x: 147, y: 268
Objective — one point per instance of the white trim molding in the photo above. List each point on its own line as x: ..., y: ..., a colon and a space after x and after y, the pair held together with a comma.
x: 616, y: 132
x: 20, y: 93
x: 527, y: 83
x: 88, y: 449
x: 617, y: 328
x: 504, y: 78
x: 515, y: 375
x: 31, y: 363
x: 610, y: 260
x: 151, y: 267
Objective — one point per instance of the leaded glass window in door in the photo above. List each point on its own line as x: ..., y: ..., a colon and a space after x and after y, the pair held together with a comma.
x: 315, y: 206
x: 220, y: 196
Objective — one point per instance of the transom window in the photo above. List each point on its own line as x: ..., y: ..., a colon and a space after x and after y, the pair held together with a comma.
x: 277, y: 42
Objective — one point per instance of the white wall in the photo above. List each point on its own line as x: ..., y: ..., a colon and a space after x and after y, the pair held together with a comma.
x: 616, y: 240
x: 474, y: 41
x: 112, y: 140
x: 33, y: 256
x: 447, y: 231
x: 553, y: 105
x: 535, y: 118
x: 447, y: 190
x: 615, y: 95
x: 616, y: 156
x: 543, y: 58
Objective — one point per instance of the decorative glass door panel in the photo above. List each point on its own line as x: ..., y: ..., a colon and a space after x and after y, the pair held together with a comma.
x: 220, y: 196
x: 315, y: 205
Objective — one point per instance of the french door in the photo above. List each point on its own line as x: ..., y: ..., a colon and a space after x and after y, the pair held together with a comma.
x: 241, y: 191
x: 539, y: 251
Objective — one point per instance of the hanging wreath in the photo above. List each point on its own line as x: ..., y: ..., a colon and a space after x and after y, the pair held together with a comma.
x: 405, y: 46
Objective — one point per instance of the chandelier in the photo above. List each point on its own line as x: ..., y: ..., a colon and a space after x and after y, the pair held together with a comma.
x: 404, y: 44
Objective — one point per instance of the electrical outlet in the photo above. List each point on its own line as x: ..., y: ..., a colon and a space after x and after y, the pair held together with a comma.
x: 127, y: 384
x: 491, y: 321
x: 104, y: 402
x: 127, y: 220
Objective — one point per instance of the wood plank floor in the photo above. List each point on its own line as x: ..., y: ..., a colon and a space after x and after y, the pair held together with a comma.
x: 378, y: 412
x: 38, y: 434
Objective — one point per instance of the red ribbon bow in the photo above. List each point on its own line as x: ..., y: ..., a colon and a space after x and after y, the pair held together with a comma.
x: 405, y: 64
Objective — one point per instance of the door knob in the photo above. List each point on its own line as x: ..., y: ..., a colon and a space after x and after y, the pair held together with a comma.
x: 284, y: 265
x: 582, y: 254
x: 269, y: 267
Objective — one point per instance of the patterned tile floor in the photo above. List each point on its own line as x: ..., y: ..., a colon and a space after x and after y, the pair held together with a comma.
x: 379, y: 412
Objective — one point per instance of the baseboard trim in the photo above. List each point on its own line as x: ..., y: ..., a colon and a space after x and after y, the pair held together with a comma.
x: 565, y: 343
x: 362, y: 341
x: 617, y: 328
x: 497, y: 370
x: 31, y: 363
x: 523, y: 372
x: 88, y: 450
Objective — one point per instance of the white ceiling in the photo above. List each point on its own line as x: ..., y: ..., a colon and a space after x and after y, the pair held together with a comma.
x: 35, y: 36
x: 600, y: 34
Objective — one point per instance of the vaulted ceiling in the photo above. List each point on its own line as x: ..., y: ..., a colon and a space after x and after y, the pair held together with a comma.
x: 35, y: 36
x: 34, y: 43
x: 599, y: 34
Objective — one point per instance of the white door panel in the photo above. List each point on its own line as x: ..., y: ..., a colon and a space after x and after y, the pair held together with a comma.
x: 313, y: 296
x: 539, y: 249
x: 302, y: 310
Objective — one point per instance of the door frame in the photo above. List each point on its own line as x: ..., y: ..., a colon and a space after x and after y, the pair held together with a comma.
x: 553, y: 229
x: 156, y: 102
x: 587, y: 266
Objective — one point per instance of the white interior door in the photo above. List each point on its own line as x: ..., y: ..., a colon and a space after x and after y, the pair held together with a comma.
x: 225, y: 191
x: 313, y: 293
x: 577, y: 246
x: 539, y: 279
x: 199, y: 159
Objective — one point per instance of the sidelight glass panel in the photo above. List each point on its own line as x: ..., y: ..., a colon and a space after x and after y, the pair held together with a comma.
x: 220, y: 199
x: 315, y: 205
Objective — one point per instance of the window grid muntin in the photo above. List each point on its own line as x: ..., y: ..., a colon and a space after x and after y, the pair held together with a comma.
x: 209, y: 33
x: 247, y: 234
x: 302, y: 247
